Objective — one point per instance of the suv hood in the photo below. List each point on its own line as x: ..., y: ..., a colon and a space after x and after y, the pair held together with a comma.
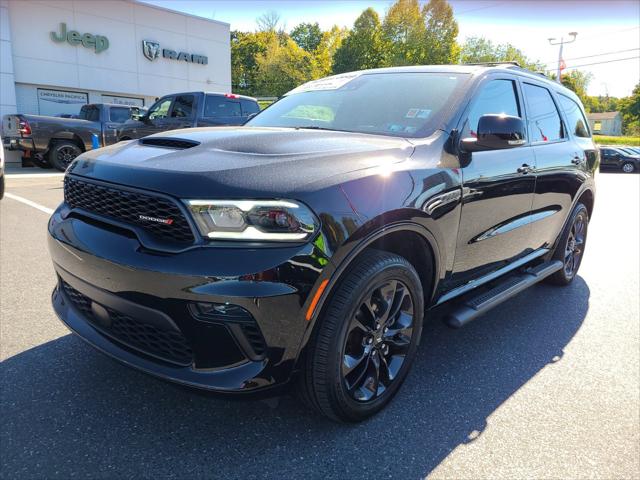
x: 237, y: 161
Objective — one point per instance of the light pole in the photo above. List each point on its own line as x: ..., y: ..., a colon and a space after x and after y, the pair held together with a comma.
x: 561, y: 43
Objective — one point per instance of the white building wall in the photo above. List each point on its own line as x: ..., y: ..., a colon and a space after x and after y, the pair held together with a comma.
x: 30, y: 59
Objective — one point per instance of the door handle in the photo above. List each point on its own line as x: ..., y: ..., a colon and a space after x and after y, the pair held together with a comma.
x: 576, y: 160
x: 524, y: 169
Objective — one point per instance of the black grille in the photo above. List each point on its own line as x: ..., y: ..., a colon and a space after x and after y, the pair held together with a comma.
x: 178, y: 143
x: 133, y: 208
x: 169, y: 345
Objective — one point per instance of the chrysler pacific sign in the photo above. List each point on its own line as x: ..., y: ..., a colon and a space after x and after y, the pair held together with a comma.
x: 151, y: 50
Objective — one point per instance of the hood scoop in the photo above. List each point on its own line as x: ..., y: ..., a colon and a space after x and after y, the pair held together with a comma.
x: 169, y: 142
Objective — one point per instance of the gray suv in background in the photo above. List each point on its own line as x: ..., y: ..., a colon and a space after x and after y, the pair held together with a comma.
x: 192, y: 109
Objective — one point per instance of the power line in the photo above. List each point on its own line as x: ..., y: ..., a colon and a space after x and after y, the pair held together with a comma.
x: 600, y: 63
x: 479, y: 8
x: 595, y: 55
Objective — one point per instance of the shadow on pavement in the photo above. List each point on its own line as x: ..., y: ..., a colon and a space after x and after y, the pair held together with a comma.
x: 68, y: 410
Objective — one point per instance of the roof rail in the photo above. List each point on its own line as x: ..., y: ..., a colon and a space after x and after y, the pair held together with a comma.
x: 494, y: 64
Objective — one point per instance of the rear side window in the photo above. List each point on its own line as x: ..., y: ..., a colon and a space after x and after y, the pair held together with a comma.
x: 119, y: 114
x: 182, y: 106
x: 575, y: 118
x: 495, y: 97
x: 90, y: 112
x: 544, y: 120
x: 221, y: 107
x: 249, y: 107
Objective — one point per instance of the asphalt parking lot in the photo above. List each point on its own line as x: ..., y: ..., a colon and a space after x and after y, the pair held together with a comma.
x: 545, y: 386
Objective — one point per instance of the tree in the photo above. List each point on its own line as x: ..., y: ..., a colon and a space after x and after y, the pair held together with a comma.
x: 480, y: 50
x: 245, y: 48
x: 578, y: 82
x: 282, y: 67
x: 364, y: 47
x: 268, y: 21
x: 441, y: 31
x: 330, y: 42
x: 307, y: 35
x: 630, y: 109
x: 404, y: 30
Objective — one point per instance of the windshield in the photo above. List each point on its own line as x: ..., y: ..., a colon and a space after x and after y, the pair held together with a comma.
x: 398, y: 104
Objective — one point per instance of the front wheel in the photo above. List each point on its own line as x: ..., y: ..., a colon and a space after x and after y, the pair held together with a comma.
x: 570, y: 247
x: 366, y: 339
x: 628, y: 167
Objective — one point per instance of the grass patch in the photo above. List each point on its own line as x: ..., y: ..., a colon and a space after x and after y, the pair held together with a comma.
x: 606, y: 140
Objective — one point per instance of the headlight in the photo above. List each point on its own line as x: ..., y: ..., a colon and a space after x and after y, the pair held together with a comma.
x: 280, y: 220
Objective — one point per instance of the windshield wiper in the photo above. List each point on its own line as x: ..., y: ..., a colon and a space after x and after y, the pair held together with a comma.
x: 316, y: 127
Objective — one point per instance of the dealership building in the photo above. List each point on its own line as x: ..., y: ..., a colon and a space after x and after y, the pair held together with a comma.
x: 59, y: 55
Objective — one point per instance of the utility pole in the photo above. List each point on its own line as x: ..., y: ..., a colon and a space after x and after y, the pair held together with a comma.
x: 562, y: 41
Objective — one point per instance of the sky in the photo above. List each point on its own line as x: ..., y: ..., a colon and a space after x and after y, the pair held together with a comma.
x: 608, y: 30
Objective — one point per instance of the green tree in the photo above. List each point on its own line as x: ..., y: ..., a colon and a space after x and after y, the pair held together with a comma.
x: 578, y: 82
x: 481, y: 50
x: 441, y: 31
x: 330, y: 42
x: 630, y: 109
x: 404, y: 29
x: 282, y: 67
x: 245, y: 48
x: 307, y: 35
x: 364, y: 46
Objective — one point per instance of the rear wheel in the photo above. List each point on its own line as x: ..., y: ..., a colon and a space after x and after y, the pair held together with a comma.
x: 366, y: 339
x: 571, y: 245
x: 62, y: 153
x: 628, y: 167
x: 1, y: 186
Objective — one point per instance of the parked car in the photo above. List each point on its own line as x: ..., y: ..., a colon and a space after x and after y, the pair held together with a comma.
x: 192, y: 109
x: 304, y: 247
x: 614, y: 157
x: 56, y: 141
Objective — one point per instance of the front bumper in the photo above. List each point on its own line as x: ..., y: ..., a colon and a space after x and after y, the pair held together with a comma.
x: 141, y: 307
x: 19, y: 143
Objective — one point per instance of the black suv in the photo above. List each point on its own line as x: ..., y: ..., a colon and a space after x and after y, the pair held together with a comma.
x: 619, y: 159
x: 307, y: 246
x: 191, y: 109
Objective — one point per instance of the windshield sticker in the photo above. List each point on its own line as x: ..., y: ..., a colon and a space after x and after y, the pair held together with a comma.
x: 412, y: 113
x: 424, y: 113
x: 329, y: 83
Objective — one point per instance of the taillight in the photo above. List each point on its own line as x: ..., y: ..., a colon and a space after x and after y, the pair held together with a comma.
x: 231, y: 95
x: 24, y: 128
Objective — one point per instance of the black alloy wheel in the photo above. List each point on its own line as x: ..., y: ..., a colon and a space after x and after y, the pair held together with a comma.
x: 365, y: 339
x: 62, y: 153
x: 570, y: 247
x: 628, y: 167
x: 377, y: 342
x: 575, y: 245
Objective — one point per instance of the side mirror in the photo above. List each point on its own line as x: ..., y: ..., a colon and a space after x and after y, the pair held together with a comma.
x: 496, y: 132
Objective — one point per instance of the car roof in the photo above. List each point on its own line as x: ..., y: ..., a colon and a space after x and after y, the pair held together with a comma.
x: 220, y: 94
x: 477, y: 70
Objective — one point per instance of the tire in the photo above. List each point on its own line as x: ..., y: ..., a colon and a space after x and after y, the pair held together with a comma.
x: 1, y: 186
x: 570, y: 254
x: 62, y: 153
x: 346, y: 351
x: 628, y: 167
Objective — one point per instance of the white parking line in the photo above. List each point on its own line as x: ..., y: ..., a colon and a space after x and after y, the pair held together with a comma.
x: 33, y: 175
x: 17, y: 198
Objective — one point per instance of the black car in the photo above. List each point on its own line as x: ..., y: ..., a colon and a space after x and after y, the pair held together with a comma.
x: 619, y: 159
x: 191, y: 109
x: 305, y: 247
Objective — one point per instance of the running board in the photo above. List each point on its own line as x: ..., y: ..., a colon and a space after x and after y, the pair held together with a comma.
x: 511, y: 286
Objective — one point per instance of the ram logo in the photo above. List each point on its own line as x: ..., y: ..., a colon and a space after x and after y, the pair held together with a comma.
x: 150, y: 49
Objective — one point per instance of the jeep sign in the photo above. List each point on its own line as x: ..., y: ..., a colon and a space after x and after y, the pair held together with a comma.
x: 97, y: 42
x: 151, y: 50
